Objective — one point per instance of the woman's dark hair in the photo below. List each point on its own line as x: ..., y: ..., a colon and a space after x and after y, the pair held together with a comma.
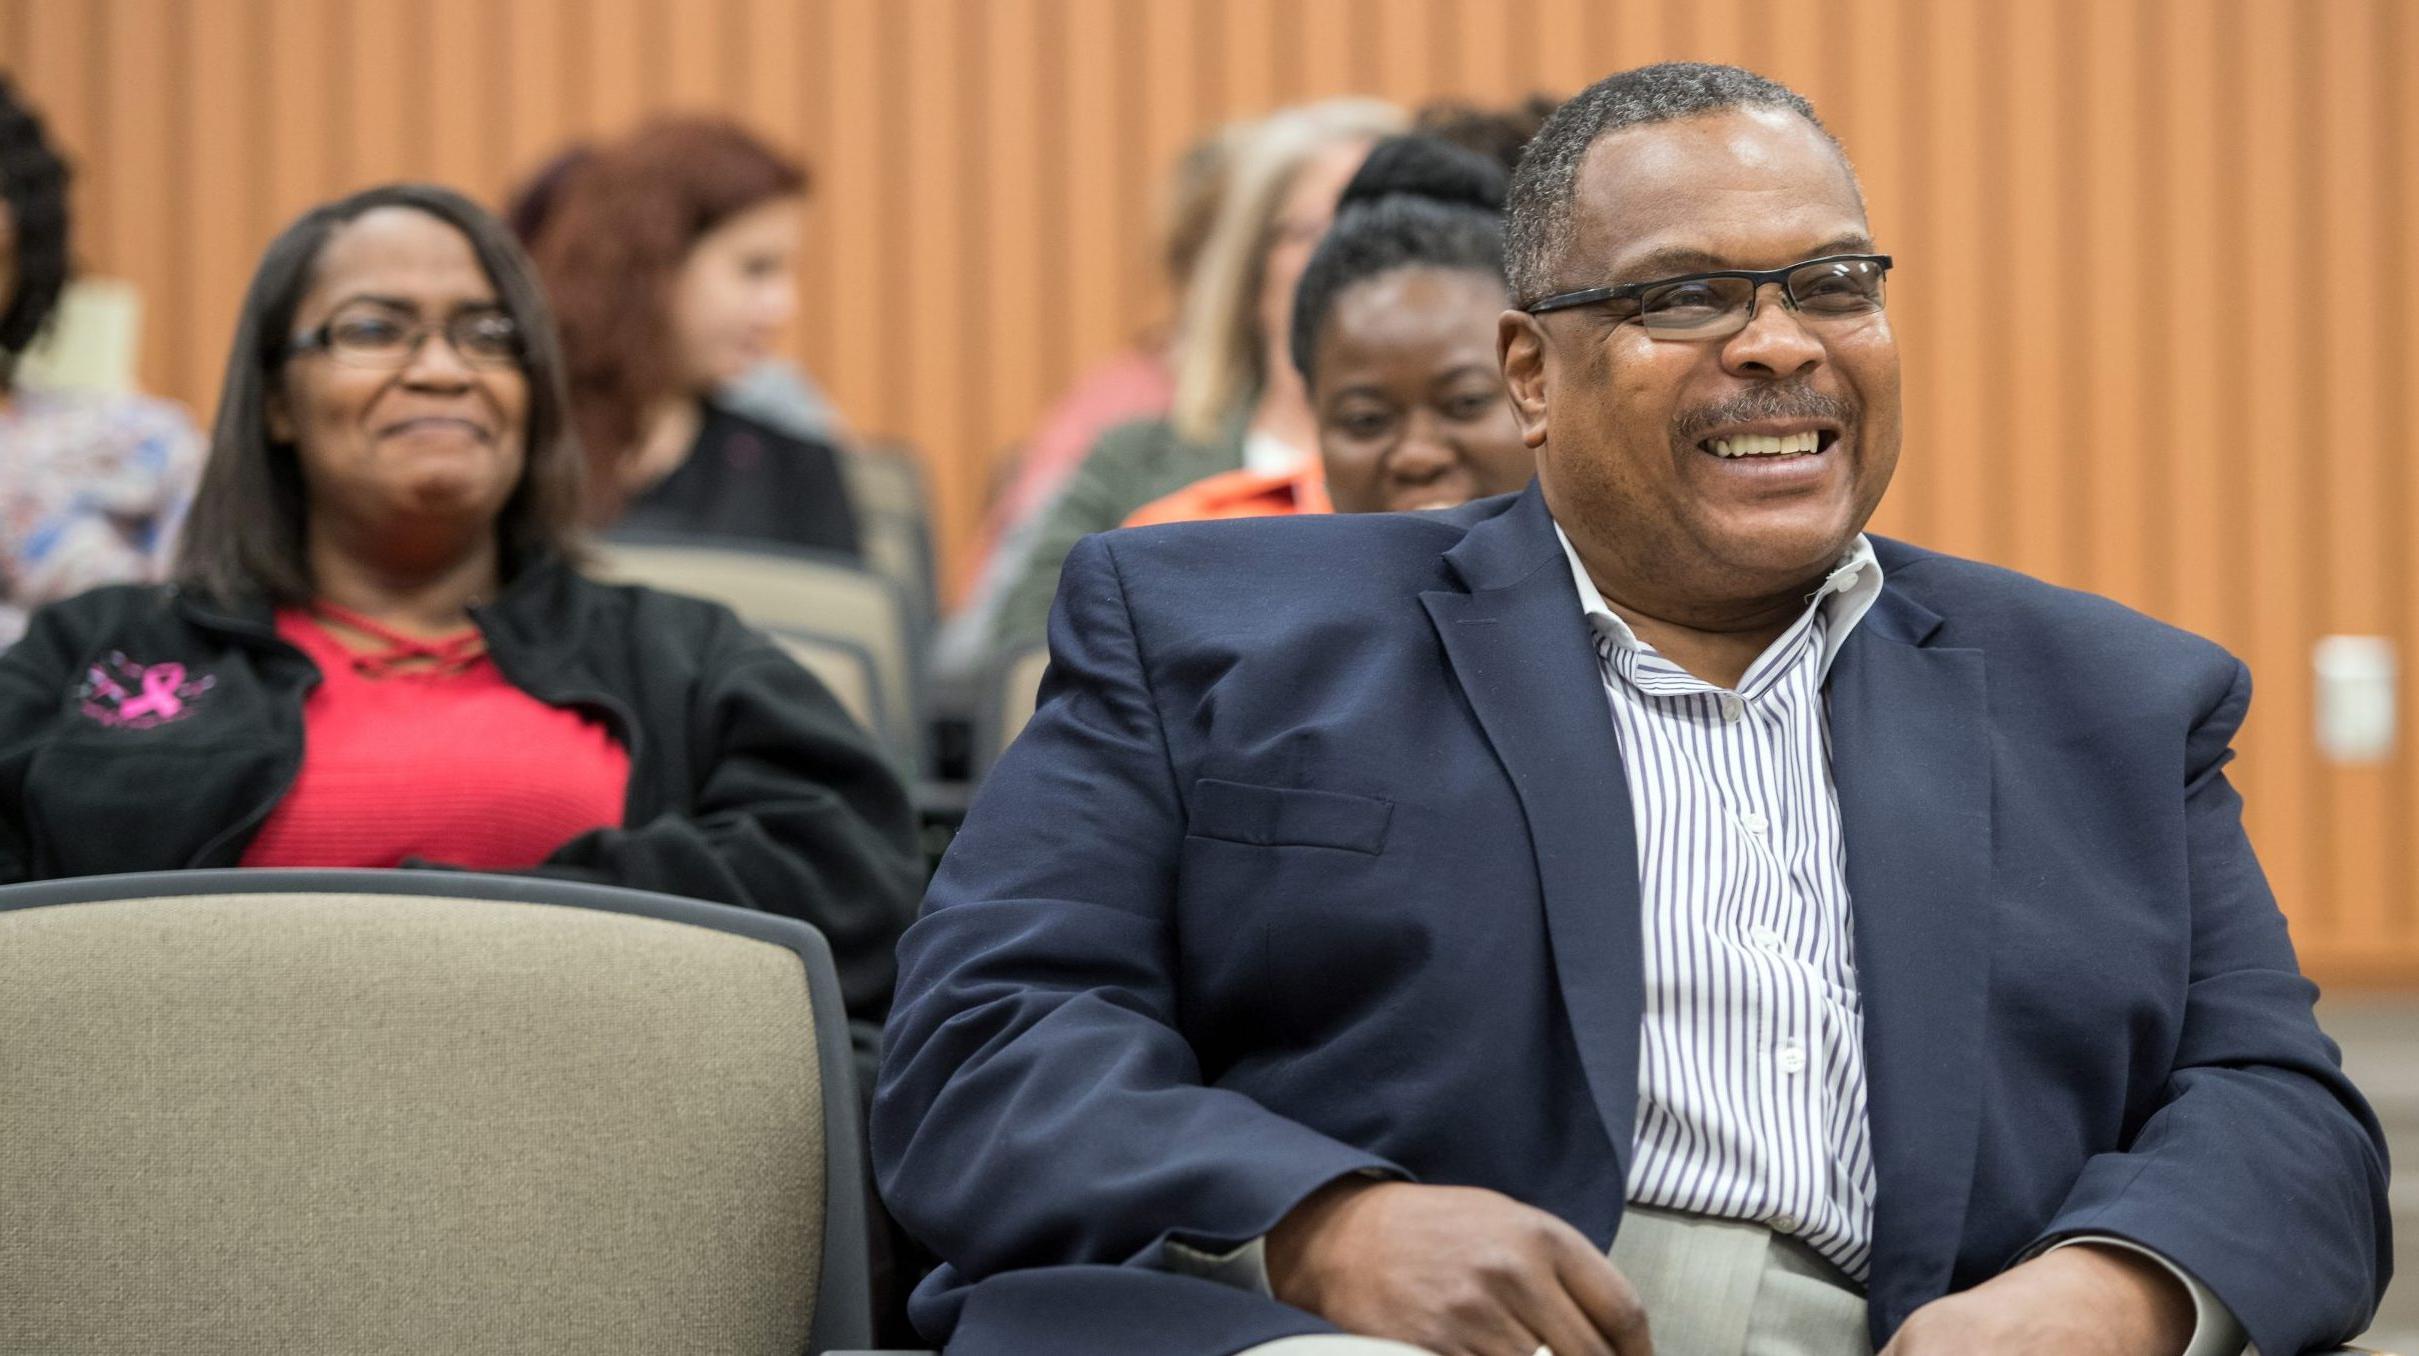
x: 34, y: 180
x: 245, y: 537
x: 1417, y: 202
x: 609, y: 226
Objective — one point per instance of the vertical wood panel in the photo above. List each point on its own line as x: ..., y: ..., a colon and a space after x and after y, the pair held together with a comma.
x: 852, y: 172
x: 1947, y: 293
x: 2026, y: 451
x: 384, y: 139
x: 219, y: 148
x: 937, y: 83
x: 2273, y: 604
x: 2350, y: 591
x: 535, y: 45
x: 139, y: 214
x: 2097, y: 389
x: 2198, y: 420
x: 2396, y: 117
x: 465, y: 114
x: 1015, y: 241
x: 2103, y: 436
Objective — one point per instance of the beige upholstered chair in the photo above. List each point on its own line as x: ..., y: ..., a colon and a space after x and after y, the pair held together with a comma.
x: 1007, y: 703
x: 793, y: 594
x: 845, y: 668
x: 894, y: 528
x: 367, y: 1112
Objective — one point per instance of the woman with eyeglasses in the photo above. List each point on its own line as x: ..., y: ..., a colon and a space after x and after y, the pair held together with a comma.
x: 379, y: 651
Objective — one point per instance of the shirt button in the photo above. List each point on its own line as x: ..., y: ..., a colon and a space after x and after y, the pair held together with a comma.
x: 1786, y: 1223
x: 1753, y: 822
x: 1844, y: 580
x: 1767, y: 938
x: 1734, y: 707
x: 1793, y: 1058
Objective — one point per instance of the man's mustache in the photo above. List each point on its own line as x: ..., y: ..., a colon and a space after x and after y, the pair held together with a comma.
x: 1764, y: 402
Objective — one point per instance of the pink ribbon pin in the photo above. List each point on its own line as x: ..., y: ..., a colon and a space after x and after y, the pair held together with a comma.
x: 160, y: 683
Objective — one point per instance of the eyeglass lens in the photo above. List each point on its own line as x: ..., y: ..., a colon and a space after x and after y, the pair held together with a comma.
x: 1697, y: 308
x: 482, y: 338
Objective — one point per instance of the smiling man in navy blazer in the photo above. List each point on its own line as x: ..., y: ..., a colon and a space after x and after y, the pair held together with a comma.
x: 1639, y: 914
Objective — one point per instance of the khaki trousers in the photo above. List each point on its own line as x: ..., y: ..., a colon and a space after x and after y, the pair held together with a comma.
x: 1711, y: 1288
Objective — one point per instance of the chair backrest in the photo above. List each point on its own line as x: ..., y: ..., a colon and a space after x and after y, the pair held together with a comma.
x: 1014, y: 684
x: 792, y: 593
x: 894, y: 523
x: 846, y: 669
x: 378, y: 1112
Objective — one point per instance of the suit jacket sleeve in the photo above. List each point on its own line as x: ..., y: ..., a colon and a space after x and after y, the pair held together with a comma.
x: 1039, y: 1104
x: 2263, y: 1172
x: 794, y: 811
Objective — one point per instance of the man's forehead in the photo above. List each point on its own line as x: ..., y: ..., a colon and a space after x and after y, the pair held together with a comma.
x: 1751, y: 187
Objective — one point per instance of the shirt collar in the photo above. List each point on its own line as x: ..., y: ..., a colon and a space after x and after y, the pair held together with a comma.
x: 1846, y: 595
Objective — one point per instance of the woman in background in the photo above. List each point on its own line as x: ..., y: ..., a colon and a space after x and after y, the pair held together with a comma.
x: 670, y: 258
x: 378, y: 652
x: 1238, y: 403
x: 1394, y: 337
x: 92, y: 485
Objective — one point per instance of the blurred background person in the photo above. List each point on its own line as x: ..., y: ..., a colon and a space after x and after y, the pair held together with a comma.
x: 776, y: 390
x: 92, y: 484
x: 1237, y: 401
x: 1137, y: 382
x: 670, y: 259
x: 1498, y: 133
x: 378, y: 651
x: 1394, y: 337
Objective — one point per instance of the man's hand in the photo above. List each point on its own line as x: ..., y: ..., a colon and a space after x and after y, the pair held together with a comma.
x: 2084, y: 1300
x: 1458, y: 1270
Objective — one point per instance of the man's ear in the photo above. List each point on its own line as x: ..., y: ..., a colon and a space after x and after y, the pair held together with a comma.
x: 1520, y: 348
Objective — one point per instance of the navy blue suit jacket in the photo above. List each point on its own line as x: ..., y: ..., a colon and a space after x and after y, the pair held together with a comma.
x: 1317, y: 858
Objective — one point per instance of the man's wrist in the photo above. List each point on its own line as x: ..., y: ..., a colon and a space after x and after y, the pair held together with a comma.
x: 2157, y: 1302
x: 2215, y: 1330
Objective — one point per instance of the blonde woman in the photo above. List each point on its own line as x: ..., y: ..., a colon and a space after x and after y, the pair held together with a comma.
x: 1238, y: 402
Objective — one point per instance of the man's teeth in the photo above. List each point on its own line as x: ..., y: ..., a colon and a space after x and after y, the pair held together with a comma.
x: 1762, y: 445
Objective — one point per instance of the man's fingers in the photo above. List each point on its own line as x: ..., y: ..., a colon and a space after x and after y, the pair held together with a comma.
x: 1604, y: 1298
x: 1561, y: 1326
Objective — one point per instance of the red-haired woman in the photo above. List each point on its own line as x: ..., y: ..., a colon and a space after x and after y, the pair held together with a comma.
x: 669, y: 257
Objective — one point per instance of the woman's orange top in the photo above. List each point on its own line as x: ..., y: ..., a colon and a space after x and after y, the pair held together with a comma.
x: 1241, y: 494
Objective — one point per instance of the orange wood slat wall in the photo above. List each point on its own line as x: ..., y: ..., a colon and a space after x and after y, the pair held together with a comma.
x: 2157, y: 285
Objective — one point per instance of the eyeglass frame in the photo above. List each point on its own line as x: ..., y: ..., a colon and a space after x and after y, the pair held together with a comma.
x: 1563, y: 301
x: 320, y: 338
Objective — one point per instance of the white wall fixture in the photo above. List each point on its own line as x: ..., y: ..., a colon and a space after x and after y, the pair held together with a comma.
x: 2355, y: 698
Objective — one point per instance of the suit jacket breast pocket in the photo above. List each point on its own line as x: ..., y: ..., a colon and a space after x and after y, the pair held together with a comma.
x: 1284, y: 816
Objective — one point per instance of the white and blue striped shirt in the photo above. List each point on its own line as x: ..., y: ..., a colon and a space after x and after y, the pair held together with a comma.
x: 1751, y: 1075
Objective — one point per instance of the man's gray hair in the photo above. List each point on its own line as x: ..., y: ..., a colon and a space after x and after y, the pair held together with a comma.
x: 1539, y: 210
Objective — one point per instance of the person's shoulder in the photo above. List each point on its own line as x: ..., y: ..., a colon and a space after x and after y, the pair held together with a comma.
x: 726, y: 420
x: 643, y: 616
x: 1993, y: 607
x: 1343, y: 557
x: 137, y: 615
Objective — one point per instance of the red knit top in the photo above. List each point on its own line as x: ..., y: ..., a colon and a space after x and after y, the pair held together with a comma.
x: 420, y: 749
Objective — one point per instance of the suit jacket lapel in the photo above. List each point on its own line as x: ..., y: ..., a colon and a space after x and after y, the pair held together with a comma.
x: 1521, y: 650
x: 1911, y: 758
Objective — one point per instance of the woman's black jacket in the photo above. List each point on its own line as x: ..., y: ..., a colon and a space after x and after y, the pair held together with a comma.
x: 749, y: 784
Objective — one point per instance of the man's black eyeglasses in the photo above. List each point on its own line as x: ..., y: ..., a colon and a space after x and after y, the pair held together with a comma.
x: 1836, y: 287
